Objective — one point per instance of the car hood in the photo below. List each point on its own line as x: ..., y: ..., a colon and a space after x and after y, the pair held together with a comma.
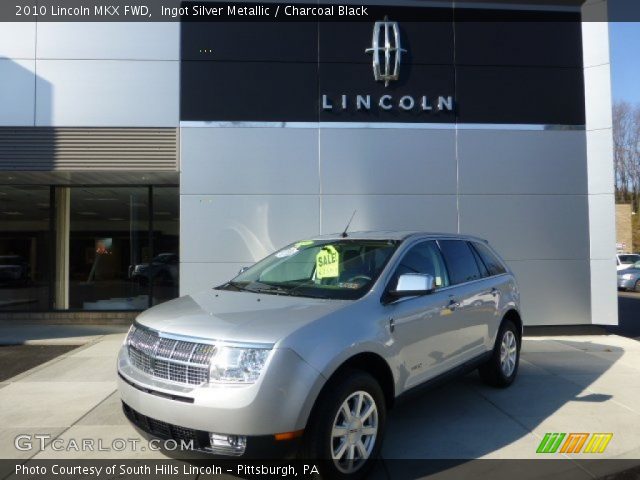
x: 627, y: 271
x: 237, y: 316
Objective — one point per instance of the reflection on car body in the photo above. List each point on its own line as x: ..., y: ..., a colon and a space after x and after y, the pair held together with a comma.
x: 306, y: 350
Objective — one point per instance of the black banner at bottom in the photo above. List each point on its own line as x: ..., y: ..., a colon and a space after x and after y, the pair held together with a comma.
x: 548, y: 469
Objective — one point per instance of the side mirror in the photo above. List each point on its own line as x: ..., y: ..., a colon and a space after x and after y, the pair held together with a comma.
x: 243, y: 269
x: 413, y: 284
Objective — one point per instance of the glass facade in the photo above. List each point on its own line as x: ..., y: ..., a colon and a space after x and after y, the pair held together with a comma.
x: 119, y: 245
x: 164, y: 269
x: 25, y: 248
x: 108, y: 239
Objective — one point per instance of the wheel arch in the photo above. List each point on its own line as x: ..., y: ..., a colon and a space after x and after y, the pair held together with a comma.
x: 369, y: 362
x: 515, y: 317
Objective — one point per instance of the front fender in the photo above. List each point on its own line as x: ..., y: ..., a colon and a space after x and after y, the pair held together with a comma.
x: 334, y: 365
x: 328, y: 344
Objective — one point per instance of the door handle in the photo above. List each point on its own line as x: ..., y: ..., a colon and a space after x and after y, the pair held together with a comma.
x: 495, y: 291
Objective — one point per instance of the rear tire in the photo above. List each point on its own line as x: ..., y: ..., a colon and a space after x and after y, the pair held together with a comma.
x: 501, y: 369
x: 348, y: 420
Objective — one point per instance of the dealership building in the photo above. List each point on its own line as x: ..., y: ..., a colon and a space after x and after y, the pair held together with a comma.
x: 142, y: 161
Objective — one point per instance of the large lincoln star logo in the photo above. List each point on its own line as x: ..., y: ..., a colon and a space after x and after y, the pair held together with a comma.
x: 386, y: 44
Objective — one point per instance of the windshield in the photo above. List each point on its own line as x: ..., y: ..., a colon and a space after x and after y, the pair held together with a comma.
x: 336, y: 269
x: 629, y: 259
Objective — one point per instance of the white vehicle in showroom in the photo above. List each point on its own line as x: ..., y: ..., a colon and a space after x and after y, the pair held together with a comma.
x: 307, y: 350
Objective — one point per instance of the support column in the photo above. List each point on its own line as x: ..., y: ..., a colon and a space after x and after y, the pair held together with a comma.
x: 601, y: 185
x: 62, y: 227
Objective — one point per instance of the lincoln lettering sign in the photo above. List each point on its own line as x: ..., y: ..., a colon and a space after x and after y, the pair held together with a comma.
x: 387, y: 102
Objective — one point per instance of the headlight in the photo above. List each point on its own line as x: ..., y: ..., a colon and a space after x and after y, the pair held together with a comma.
x: 628, y: 276
x: 238, y: 364
x: 129, y: 334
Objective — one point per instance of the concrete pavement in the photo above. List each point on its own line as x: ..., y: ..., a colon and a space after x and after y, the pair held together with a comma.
x: 566, y: 384
x: 14, y: 333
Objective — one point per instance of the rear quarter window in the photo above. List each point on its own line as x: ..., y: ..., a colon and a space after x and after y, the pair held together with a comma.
x: 494, y: 266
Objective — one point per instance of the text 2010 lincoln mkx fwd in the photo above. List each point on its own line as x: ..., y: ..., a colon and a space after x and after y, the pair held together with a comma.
x: 308, y: 349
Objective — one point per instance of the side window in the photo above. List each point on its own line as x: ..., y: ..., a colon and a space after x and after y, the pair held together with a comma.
x: 494, y: 265
x: 461, y: 265
x: 423, y: 258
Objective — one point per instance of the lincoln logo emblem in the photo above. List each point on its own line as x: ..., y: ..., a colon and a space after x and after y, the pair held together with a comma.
x: 386, y: 41
x: 386, y: 52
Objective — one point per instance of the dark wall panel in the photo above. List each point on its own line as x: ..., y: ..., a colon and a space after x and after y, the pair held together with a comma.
x: 524, y: 70
x: 555, y: 44
x: 250, y: 41
x: 520, y: 95
x: 251, y: 91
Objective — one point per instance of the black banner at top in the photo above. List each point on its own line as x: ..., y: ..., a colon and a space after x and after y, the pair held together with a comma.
x: 332, y: 11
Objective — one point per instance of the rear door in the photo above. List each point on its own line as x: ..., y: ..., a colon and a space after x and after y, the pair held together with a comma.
x: 497, y: 287
x: 470, y: 297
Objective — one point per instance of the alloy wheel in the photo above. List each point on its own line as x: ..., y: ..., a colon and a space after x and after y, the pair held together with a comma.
x: 354, y: 432
x: 508, y: 353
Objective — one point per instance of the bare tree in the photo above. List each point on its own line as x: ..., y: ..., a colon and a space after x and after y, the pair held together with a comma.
x: 626, y: 151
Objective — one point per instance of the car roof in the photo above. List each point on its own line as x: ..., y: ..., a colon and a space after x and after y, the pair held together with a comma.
x: 396, y: 235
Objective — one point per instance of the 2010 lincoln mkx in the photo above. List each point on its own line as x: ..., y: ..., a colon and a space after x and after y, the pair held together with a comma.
x: 308, y: 349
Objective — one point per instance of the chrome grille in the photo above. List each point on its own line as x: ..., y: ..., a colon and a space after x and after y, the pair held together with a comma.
x: 169, y: 359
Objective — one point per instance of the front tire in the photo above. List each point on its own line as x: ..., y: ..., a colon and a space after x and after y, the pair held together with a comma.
x: 501, y: 369
x: 347, y: 425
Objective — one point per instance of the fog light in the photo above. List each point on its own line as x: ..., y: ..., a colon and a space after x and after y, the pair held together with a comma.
x: 222, y: 444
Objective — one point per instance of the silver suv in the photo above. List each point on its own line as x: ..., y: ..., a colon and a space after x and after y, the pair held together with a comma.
x: 307, y: 350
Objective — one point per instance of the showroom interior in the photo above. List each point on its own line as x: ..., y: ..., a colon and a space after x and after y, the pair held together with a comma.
x: 106, y: 236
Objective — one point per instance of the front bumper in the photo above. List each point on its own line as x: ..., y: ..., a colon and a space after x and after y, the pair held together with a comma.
x: 280, y: 401
x: 258, y: 447
x: 624, y: 284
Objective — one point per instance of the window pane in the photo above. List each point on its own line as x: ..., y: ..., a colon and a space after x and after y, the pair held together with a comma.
x: 164, y: 270
x: 24, y: 248
x: 460, y: 262
x: 494, y: 265
x: 109, y: 238
x: 484, y: 272
x: 424, y: 258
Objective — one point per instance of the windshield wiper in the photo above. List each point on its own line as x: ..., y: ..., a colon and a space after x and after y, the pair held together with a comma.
x: 235, y: 285
x: 295, y: 291
x: 266, y: 288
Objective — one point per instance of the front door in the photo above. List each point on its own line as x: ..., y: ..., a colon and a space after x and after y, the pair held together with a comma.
x: 424, y: 326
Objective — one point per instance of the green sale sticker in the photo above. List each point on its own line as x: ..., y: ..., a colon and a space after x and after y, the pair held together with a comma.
x: 327, y: 262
